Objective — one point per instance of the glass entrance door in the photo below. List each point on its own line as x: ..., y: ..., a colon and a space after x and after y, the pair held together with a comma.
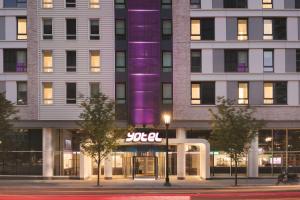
x: 145, y: 167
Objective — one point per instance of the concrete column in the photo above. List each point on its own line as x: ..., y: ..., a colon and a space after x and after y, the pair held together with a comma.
x: 255, y: 4
x: 279, y: 60
x: 108, y: 167
x: 181, y: 161
x: 85, y: 166
x: 180, y: 134
x: 292, y: 33
x: 293, y: 93
x: 252, y: 168
x: 48, y: 158
x: 220, y: 29
x: 204, y: 160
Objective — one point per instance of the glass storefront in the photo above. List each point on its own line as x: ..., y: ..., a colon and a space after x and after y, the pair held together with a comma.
x: 192, y: 160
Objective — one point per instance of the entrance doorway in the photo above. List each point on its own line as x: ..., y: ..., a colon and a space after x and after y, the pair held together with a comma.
x: 145, y: 167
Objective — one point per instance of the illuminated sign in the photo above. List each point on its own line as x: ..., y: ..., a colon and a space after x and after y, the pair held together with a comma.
x: 143, y: 137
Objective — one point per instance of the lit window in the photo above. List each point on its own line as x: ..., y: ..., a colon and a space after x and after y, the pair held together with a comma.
x: 94, y: 29
x: 268, y: 93
x: 195, y: 29
x: 120, y: 61
x: 167, y: 93
x: 21, y: 93
x: 47, y: 4
x: 120, y: 93
x: 94, y: 3
x: 267, y: 3
x: 47, y: 93
x: 22, y: 28
x: 47, y: 61
x: 167, y: 61
x: 203, y: 93
x: 47, y: 29
x: 95, y: 61
x: 196, y: 98
x: 242, y: 29
x: 268, y: 61
x: 268, y: 29
x: 243, y: 93
x: 94, y: 89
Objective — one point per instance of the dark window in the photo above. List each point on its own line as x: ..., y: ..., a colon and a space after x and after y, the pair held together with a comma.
x: 268, y: 60
x: 21, y: 93
x: 71, y: 61
x: 275, y: 93
x: 206, y: 26
x: 297, y: 3
x: 236, y: 60
x: 166, y: 4
x: 120, y: 4
x: 203, y: 93
x: 120, y: 61
x: 15, y: 3
x: 279, y: 25
x: 167, y: 61
x: 94, y: 29
x: 94, y: 89
x: 70, y: 3
x: 194, y: 134
x: 120, y: 93
x: 120, y: 29
x: 47, y: 29
x: 71, y: 93
x: 195, y: 3
x: 298, y: 60
x: 71, y: 29
x: 196, y: 65
x: 167, y: 93
x: 15, y: 60
x: 236, y: 3
x: 166, y: 29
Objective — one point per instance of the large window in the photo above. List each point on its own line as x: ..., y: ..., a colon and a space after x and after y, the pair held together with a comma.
x: 267, y: 3
x: 120, y: 61
x: 268, y: 29
x: 48, y: 93
x: 120, y: 4
x: 298, y: 60
x: 196, y: 60
x: 167, y: 93
x: 166, y: 4
x: 47, y: 61
x: 71, y: 93
x: 15, y: 3
x: 120, y: 93
x: 243, y: 93
x: 95, y: 61
x: 71, y: 29
x: 236, y: 60
x: 47, y: 4
x: 47, y: 29
x: 70, y: 3
x: 203, y: 93
x: 268, y: 60
x: 21, y: 93
x: 242, y: 29
x: 236, y: 3
x: 71, y: 61
x: 167, y: 61
x: 275, y: 29
x: 120, y: 29
x: 94, y: 3
x: 203, y: 29
x: 297, y: 3
x: 94, y: 29
x: 21, y: 28
x: 15, y: 60
x: 195, y: 3
x: 166, y: 29
x: 94, y: 89
x: 275, y: 93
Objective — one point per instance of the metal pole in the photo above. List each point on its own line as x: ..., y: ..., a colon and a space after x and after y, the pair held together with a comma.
x: 167, y: 182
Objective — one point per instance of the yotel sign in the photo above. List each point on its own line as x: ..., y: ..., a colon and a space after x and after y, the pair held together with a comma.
x: 143, y: 137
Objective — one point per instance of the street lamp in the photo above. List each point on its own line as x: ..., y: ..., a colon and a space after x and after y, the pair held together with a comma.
x: 167, y: 120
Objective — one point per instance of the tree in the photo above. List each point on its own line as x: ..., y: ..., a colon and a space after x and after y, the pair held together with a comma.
x: 233, y: 129
x: 100, y: 135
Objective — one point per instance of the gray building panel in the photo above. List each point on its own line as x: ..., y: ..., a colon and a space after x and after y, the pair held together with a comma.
x: 290, y: 60
x: 217, y: 3
x: 218, y: 60
x: 2, y: 87
x: 298, y: 28
x: 289, y: 4
x: 256, y: 92
x: 255, y: 28
x: 232, y: 90
x: 231, y: 28
x: 2, y: 28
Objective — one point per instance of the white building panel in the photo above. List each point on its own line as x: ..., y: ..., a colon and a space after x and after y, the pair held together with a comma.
x: 279, y: 60
x: 207, y: 61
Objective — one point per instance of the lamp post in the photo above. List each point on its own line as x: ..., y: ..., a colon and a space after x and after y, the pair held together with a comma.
x: 167, y: 120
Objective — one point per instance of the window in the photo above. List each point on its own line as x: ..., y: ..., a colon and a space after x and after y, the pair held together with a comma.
x: 196, y: 65
x: 268, y: 29
x: 203, y: 29
x: 275, y: 93
x: 243, y: 93
x: 167, y: 61
x: 267, y: 3
x: 15, y: 60
x: 236, y: 60
x: 21, y: 28
x: 21, y: 93
x: 120, y: 29
x: 167, y: 93
x: 70, y: 3
x: 195, y: 3
x: 47, y: 3
x: 203, y: 93
x: 275, y: 29
x: 15, y: 3
x: 297, y: 3
x: 166, y: 29
x: 236, y: 3
x: 47, y: 29
x: 268, y: 61
x: 166, y: 4
x: 71, y: 29
x: 94, y: 3
x: 120, y: 93
x: 95, y: 61
x: 47, y: 94
x: 242, y: 29
x: 94, y: 29
x: 120, y: 4
x: 71, y: 61
x: 71, y: 93
x: 120, y: 61
x: 94, y: 89
x: 47, y: 61
x: 298, y: 60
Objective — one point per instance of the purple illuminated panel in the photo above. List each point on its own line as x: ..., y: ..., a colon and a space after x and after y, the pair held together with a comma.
x: 144, y: 61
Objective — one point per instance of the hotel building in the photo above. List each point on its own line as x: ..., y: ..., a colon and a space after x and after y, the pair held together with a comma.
x: 152, y: 57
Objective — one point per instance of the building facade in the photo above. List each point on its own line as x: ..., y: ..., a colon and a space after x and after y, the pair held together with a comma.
x: 152, y: 57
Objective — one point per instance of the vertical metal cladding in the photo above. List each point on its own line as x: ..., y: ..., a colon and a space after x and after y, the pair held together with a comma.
x: 144, y: 61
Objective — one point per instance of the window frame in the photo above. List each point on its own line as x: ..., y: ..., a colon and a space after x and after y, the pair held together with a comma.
x: 71, y: 101
x: 166, y: 101
x: 121, y: 100
x: 243, y: 99
x: 195, y: 5
x: 267, y: 4
x: 192, y: 67
x: 120, y: 5
x: 166, y: 36
x: 120, y: 36
x: 70, y: 4
x: 18, y: 94
x: 121, y: 68
x: 297, y: 60
x: 71, y: 36
x: 91, y: 35
x: 46, y: 3
x: 90, y: 88
x: 268, y: 67
x: 94, y: 5
x: 94, y: 69
x: 13, y: 55
x: 191, y: 29
x: 47, y: 36
x: 70, y: 68
x: 25, y: 35
x: 201, y: 99
x: 236, y: 2
x: 166, y: 68
x: 265, y: 35
x: 227, y: 63
x: 50, y: 101
x: 275, y: 98
x: 241, y: 36
x: 165, y: 5
x: 44, y: 69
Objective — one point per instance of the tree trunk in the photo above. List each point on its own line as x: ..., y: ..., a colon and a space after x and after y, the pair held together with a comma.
x: 98, y: 174
x: 236, y: 172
